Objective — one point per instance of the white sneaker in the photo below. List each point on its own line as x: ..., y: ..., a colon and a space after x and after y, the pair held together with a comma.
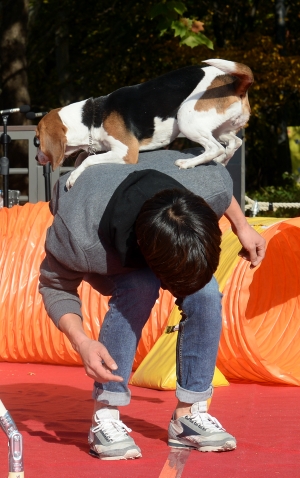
x: 199, y: 431
x: 109, y: 439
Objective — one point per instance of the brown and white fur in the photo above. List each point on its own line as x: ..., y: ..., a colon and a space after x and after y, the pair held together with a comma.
x: 211, y: 112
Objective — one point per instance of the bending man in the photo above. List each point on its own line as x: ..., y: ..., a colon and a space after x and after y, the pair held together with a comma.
x: 128, y: 230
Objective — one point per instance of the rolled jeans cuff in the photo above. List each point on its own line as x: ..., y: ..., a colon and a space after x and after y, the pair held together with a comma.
x: 114, y: 399
x: 188, y: 396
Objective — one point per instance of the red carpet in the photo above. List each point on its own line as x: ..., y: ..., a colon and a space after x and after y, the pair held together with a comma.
x: 51, y: 406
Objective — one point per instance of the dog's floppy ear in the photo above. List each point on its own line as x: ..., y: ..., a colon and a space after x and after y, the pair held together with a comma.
x: 52, y: 136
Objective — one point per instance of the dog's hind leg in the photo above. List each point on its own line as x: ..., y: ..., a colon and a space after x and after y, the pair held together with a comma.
x: 198, y: 126
x: 231, y: 143
x: 213, y: 151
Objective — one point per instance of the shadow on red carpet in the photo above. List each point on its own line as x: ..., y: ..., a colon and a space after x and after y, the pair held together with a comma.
x: 52, y: 408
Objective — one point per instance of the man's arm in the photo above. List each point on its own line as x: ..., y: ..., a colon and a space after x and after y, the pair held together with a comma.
x: 254, y: 245
x: 58, y: 286
x: 97, y: 362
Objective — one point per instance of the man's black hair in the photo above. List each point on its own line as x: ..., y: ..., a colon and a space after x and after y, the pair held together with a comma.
x: 179, y: 236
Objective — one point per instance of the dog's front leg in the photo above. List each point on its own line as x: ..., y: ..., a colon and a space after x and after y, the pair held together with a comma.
x: 109, y: 157
x: 80, y: 158
x: 232, y: 144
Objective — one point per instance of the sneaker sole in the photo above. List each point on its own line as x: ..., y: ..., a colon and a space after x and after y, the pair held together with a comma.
x: 129, y: 455
x: 227, y: 446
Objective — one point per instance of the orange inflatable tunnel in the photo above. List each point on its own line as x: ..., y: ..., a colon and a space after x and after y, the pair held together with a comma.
x: 261, y: 319
x: 261, y: 312
x: 27, y: 333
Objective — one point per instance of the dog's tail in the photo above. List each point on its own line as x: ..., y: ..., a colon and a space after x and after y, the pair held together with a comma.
x: 239, y: 70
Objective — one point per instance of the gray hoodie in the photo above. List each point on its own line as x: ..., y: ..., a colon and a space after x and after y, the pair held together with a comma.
x: 76, y: 244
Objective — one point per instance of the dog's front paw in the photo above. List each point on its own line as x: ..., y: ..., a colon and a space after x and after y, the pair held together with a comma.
x: 184, y: 163
x: 72, y: 178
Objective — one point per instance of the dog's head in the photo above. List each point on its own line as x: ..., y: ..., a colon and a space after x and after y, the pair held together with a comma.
x: 51, y: 139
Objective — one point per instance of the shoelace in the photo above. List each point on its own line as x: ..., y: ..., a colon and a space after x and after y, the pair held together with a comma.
x: 114, y: 430
x: 206, y: 421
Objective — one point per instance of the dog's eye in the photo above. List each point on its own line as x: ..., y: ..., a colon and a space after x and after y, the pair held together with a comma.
x: 36, y: 141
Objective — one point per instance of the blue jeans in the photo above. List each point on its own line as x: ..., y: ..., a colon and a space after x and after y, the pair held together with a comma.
x: 133, y: 296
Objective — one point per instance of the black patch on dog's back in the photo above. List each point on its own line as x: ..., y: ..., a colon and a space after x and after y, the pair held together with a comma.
x: 140, y: 104
x: 160, y: 97
x: 92, y: 112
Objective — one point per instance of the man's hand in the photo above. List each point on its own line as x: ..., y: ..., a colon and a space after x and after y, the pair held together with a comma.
x: 254, y: 245
x: 97, y: 362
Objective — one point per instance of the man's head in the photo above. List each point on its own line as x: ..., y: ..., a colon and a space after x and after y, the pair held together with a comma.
x: 179, y: 236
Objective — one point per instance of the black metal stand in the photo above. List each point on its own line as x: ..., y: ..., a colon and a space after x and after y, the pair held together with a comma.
x: 4, y: 161
x: 46, y: 167
x: 47, y: 176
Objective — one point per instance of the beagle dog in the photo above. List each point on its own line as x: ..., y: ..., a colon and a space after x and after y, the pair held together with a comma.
x: 206, y: 104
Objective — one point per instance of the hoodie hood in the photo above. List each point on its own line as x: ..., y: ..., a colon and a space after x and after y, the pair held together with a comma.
x: 117, y: 225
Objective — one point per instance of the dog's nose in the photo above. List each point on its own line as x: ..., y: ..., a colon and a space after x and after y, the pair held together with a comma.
x: 36, y: 142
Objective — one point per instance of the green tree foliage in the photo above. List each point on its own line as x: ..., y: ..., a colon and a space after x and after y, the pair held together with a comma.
x: 81, y: 49
x: 170, y: 15
x: 288, y: 192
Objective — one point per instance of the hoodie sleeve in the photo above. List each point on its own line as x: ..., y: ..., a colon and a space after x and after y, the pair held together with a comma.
x: 221, y: 200
x: 61, y: 272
